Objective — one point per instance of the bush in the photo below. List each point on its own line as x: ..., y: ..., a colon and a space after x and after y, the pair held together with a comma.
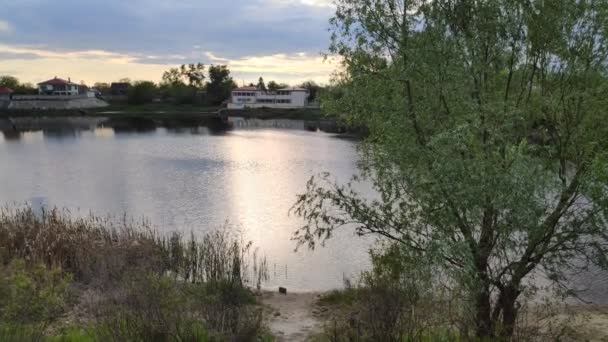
x: 398, y: 300
x: 35, y: 295
x: 160, y: 308
x: 142, y: 92
x: 31, y: 298
x: 133, y: 284
x: 148, y: 308
x: 15, y: 332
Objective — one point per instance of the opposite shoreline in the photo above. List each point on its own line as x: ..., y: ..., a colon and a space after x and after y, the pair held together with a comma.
x: 142, y: 118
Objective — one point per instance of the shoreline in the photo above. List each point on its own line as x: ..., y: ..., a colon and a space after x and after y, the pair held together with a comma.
x: 300, y: 316
x: 122, y: 120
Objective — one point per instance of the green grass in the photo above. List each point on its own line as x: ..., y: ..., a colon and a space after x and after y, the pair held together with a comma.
x: 340, y: 297
x: 165, y: 110
x: 151, y: 108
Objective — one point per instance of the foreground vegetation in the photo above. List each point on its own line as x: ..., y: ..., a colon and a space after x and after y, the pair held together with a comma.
x: 399, y: 299
x: 91, y: 279
x: 487, y: 146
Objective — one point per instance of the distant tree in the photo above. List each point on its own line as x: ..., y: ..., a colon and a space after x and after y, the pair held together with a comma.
x: 125, y: 80
x: 102, y: 87
x: 261, y: 85
x: 9, y: 82
x: 172, y: 77
x: 191, y: 74
x: 181, y: 84
x: 182, y: 94
x: 18, y: 88
x: 272, y: 85
x: 142, y: 92
x: 313, y: 89
x: 220, y: 84
x: 251, y: 84
x: 26, y: 89
x: 194, y: 74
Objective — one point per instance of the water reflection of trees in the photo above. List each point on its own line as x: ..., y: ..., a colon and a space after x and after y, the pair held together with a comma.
x: 11, y: 135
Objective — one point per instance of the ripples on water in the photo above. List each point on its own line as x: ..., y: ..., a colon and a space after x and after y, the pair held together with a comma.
x: 194, y: 179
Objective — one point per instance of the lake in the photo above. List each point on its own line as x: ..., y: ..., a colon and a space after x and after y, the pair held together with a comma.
x: 245, y: 175
x: 194, y: 179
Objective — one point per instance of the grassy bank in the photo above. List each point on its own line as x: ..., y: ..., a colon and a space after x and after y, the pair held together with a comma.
x: 163, y: 110
x: 149, y: 117
x: 94, y: 279
x: 279, y: 113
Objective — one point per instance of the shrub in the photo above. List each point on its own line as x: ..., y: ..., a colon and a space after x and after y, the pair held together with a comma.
x: 149, y: 308
x: 31, y: 298
x: 16, y: 332
x: 161, y: 308
x: 135, y: 284
x: 35, y: 295
x: 398, y: 300
x: 142, y: 92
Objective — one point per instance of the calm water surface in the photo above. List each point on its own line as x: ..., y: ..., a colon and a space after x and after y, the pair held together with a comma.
x: 196, y: 180
x: 192, y: 180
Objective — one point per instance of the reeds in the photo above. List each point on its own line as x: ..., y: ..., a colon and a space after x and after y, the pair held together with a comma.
x: 95, y: 248
x: 145, y: 285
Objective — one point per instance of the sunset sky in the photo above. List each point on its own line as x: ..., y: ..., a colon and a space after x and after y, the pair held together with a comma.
x: 103, y: 41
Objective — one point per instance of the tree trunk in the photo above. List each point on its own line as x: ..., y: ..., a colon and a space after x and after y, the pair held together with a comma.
x: 508, y: 301
x: 483, y: 308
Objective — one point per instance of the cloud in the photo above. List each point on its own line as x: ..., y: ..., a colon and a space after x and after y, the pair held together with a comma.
x: 5, y: 27
x: 291, y: 68
x: 233, y: 28
x: 313, y: 3
x: 152, y: 35
x: 40, y: 53
x: 39, y: 63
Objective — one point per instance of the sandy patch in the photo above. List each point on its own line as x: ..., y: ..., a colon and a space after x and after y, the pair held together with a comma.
x: 291, y: 317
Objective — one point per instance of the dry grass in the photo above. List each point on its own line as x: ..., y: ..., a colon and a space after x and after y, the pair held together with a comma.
x: 98, y: 249
x: 133, y: 283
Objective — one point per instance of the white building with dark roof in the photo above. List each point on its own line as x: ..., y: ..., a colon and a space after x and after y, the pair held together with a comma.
x: 252, y: 97
x: 58, y: 86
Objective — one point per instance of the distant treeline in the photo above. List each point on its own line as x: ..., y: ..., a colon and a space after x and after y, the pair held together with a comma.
x: 186, y: 84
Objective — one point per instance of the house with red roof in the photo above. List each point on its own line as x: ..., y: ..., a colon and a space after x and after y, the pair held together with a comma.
x: 5, y: 91
x: 58, y: 86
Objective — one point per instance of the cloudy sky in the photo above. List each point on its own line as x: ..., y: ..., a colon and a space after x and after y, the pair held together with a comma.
x: 107, y: 40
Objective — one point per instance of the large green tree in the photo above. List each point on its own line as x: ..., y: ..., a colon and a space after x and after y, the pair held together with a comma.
x: 220, y: 84
x: 273, y: 85
x: 9, y: 82
x: 261, y: 85
x: 172, y: 77
x: 18, y: 87
x: 313, y: 89
x: 142, y: 92
x: 192, y: 75
x: 102, y: 87
x: 487, y: 140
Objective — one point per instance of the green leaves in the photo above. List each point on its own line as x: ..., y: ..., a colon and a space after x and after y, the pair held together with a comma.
x: 32, y: 296
x: 487, y: 125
